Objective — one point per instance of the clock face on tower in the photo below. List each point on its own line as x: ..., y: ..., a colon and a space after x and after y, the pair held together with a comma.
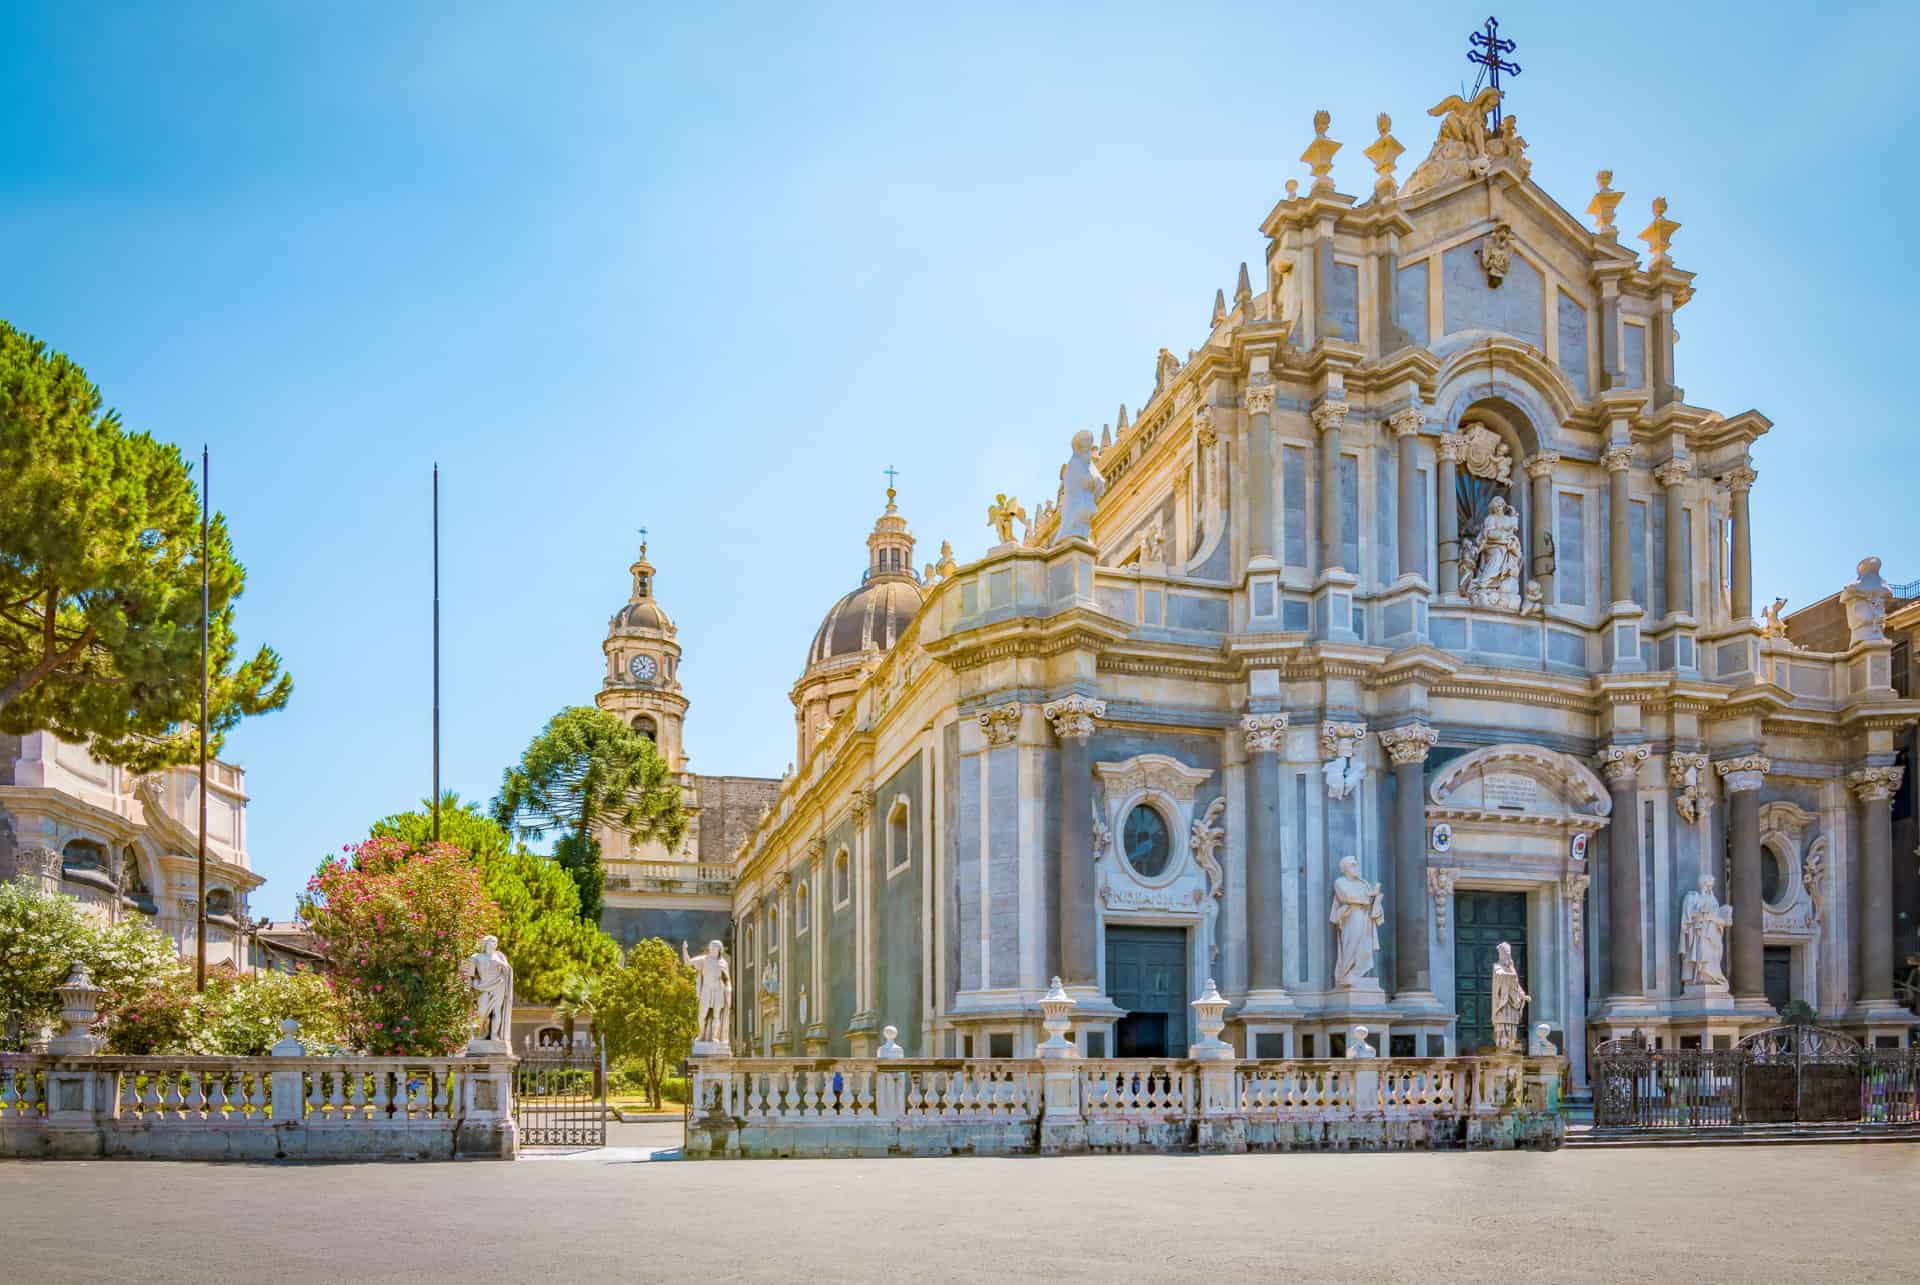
x: 642, y: 668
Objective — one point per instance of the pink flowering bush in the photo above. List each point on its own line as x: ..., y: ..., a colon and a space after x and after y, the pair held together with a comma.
x: 397, y: 920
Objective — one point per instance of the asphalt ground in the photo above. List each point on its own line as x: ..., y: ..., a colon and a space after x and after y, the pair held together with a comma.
x: 1801, y: 1213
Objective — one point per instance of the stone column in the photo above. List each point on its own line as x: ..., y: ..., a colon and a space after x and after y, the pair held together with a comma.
x: 1673, y: 476
x: 1413, y: 958
x: 1446, y: 511
x: 1412, y: 536
x: 1620, y: 764
x: 1742, y: 777
x: 857, y: 893
x: 1619, y: 460
x: 1539, y: 566
x: 1265, y: 734
x: 1259, y: 402
x: 788, y: 1041
x: 1873, y: 939
x: 1328, y: 419
x: 1074, y: 944
x: 1739, y: 482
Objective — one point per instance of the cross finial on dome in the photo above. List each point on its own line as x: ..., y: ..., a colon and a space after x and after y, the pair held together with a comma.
x: 892, y: 474
x: 643, y: 542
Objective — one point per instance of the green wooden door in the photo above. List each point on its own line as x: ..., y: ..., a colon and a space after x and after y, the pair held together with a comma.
x: 1482, y: 920
x: 1147, y: 978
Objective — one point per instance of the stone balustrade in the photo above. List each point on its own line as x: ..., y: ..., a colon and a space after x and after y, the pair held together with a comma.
x: 749, y: 1107
x: 256, y: 1108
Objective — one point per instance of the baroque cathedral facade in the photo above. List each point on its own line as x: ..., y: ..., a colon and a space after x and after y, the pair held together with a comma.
x: 1421, y: 558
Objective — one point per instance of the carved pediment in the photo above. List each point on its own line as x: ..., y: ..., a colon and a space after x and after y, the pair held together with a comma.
x: 1523, y: 780
x: 1156, y: 772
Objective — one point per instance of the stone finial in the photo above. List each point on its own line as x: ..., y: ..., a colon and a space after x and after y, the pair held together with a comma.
x: 1219, y: 306
x: 1602, y: 206
x: 79, y: 1005
x: 1866, y: 601
x: 1056, y: 1017
x: 1659, y: 234
x: 1120, y: 424
x: 1106, y: 437
x: 1383, y: 152
x: 1209, y: 1017
x: 1293, y: 189
x: 289, y: 1044
x: 1242, y: 288
x: 1319, y: 154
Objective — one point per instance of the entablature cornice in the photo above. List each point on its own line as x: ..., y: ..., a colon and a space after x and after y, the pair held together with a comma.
x: 1076, y: 629
x: 1737, y: 430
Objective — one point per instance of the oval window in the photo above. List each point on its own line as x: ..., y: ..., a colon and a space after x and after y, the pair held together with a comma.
x: 1773, y: 876
x: 1147, y: 844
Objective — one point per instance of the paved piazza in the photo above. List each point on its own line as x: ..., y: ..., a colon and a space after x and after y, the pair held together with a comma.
x: 1698, y: 1214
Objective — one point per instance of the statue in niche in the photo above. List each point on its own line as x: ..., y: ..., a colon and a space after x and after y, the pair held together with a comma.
x: 1002, y: 513
x: 770, y: 978
x: 1490, y: 560
x: 490, y: 976
x: 1496, y: 254
x: 1509, y: 1001
x: 1703, y: 937
x: 1081, y: 487
x: 1356, y: 917
x: 713, y: 988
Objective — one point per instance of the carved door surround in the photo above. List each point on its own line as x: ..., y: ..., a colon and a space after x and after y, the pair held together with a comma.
x: 1184, y: 892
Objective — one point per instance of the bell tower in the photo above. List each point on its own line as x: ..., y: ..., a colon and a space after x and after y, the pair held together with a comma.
x: 642, y: 682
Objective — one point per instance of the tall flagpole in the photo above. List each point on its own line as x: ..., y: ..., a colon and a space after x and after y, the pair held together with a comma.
x: 436, y: 653
x: 200, y: 892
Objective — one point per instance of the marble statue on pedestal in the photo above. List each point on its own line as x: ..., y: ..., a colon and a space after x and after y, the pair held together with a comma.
x: 713, y: 989
x: 1357, y: 1045
x: 1081, y: 487
x: 491, y: 977
x: 1509, y: 1001
x: 1490, y: 561
x: 1866, y: 601
x: 1703, y: 937
x: 1356, y: 916
x: 1540, y: 1043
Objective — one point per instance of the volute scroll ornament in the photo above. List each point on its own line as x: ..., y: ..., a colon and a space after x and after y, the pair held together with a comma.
x: 1875, y: 784
x: 1259, y: 397
x: 1686, y: 777
x: 1407, y: 421
x: 1621, y: 763
x: 1330, y: 416
x: 1073, y: 716
x: 1618, y: 458
x: 1343, y: 769
x: 1744, y: 773
x: 1205, y: 842
x: 1451, y: 447
x: 1264, y: 733
x: 1001, y: 723
x: 1408, y: 744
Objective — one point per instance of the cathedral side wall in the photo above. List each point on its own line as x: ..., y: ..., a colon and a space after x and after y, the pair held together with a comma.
x: 899, y: 926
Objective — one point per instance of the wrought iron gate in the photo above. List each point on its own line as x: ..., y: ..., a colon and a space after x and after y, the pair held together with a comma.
x: 1782, y: 1075
x: 560, y: 1098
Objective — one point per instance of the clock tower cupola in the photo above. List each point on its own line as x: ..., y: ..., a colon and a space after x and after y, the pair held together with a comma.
x: 642, y: 683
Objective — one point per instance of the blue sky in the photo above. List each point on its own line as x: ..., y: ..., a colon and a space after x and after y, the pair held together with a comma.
x: 711, y: 272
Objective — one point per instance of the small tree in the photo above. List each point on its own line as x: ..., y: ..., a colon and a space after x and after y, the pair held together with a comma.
x: 587, y: 769
x: 542, y: 931
x: 396, y: 921
x: 100, y: 578
x: 645, y: 1011
x: 44, y: 934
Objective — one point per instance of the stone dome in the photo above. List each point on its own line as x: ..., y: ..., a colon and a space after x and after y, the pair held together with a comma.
x: 874, y: 615
x: 644, y: 614
x: 870, y: 617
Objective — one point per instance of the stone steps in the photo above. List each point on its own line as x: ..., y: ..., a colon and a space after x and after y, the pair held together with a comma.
x: 1751, y: 1135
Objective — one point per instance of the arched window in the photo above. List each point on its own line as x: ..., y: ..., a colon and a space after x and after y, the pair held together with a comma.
x: 842, y: 879
x: 645, y: 725
x: 83, y: 856
x: 899, y: 836
x: 800, y: 916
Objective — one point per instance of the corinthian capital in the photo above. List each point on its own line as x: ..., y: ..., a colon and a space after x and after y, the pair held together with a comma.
x: 1330, y: 416
x: 1001, y: 723
x: 1541, y: 465
x: 1072, y: 716
x: 1340, y: 740
x: 1408, y: 744
x: 1203, y: 426
x: 1741, y: 478
x: 1452, y: 447
x: 1621, y: 763
x: 1618, y: 458
x: 1259, y: 397
x: 862, y: 806
x: 1407, y: 422
x: 1264, y: 733
x: 1873, y: 784
x: 1743, y: 773
x: 1674, y: 473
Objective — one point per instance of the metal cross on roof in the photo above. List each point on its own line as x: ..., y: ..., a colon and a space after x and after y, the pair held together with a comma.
x: 643, y: 539
x: 891, y: 473
x: 1486, y: 51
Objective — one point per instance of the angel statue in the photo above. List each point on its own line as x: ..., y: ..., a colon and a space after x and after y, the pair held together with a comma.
x: 1003, y: 513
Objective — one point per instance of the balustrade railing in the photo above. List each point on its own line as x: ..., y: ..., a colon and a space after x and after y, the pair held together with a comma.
x: 747, y: 1105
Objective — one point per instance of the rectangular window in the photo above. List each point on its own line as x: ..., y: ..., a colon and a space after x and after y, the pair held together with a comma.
x: 842, y: 880
x: 899, y: 837
x: 1293, y: 491
x: 1570, y: 547
x: 1350, y: 514
x: 1633, y: 355
x: 1307, y: 1046
x: 1637, y: 538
